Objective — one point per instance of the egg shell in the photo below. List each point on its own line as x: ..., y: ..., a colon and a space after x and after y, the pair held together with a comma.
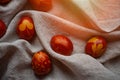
x: 96, y: 46
x: 42, y: 5
x: 62, y: 45
x: 25, y: 28
x: 2, y: 28
x: 41, y: 63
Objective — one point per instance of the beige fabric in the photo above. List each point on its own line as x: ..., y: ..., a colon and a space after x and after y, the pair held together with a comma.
x: 78, y: 20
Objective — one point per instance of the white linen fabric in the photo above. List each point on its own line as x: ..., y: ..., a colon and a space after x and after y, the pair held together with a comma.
x: 16, y: 54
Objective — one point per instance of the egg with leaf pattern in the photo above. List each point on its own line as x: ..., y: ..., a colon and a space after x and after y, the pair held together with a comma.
x: 96, y: 46
x: 25, y: 28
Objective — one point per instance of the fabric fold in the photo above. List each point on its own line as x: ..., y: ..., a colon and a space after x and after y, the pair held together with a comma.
x: 105, y: 14
x: 16, y: 53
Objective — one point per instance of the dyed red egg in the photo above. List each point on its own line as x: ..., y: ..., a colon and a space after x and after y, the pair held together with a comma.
x: 41, y: 63
x: 25, y: 28
x: 4, y: 1
x: 2, y: 28
x: 96, y: 46
x: 42, y: 5
x: 61, y: 44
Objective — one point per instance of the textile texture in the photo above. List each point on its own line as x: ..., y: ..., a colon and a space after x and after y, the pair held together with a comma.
x: 79, y: 20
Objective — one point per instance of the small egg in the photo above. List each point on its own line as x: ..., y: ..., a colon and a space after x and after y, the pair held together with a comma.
x: 62, y: 45
x: 41, y: 63
x: 2, y: 28
x: 96, y: 46
x: 42, y: 5
x: 25, y: 28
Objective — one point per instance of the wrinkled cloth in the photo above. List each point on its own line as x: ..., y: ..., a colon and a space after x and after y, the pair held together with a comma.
x: 79, y: 20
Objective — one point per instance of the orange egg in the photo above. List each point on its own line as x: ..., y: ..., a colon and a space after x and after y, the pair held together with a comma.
x: 41, y: 63
x: 61, y: 44
x: 96, y: 46
x: 25, y: 28
x: 42, y: 5
x: 2, y: 28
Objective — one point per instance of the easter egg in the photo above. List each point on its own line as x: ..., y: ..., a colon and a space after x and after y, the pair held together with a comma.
x: 42, y: 5
x: 41, y: 63
x: 96, y: 46
x: 2, y: 28
x: 25, y: 28
x: 61, y: 44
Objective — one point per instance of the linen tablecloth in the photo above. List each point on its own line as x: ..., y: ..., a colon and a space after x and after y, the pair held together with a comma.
x: 79, y: 20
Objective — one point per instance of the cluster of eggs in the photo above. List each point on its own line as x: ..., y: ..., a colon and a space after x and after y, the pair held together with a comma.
x: 41, y: 63
x: 61, y: 44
